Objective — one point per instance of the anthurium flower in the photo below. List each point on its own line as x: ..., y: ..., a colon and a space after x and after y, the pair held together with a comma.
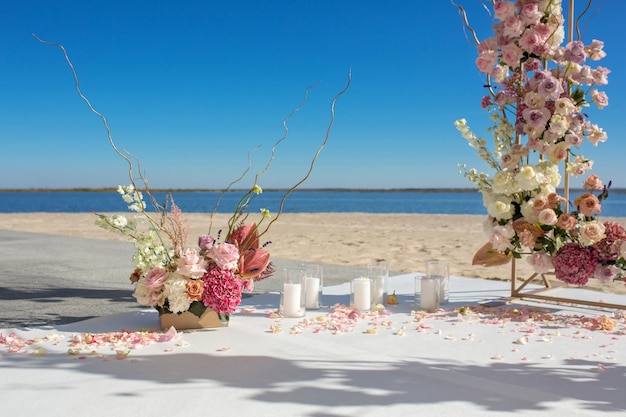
x: 245, y: 237
x: 253, y: 262
x: 488, y: 256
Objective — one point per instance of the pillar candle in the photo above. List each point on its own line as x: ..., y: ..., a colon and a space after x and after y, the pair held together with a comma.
x: 312, y: 285
x: 429, y: 293
x: 362, y: 293
x: 291, y: 299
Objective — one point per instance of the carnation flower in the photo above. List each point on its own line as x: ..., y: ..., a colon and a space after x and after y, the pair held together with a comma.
x: 574, y: 264
x: 222, y: 290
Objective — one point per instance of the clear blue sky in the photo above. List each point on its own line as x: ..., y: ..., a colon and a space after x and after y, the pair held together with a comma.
x: 190, y: 86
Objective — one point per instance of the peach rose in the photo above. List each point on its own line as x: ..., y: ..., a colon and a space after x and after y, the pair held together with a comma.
x: 593, y: 183
x: 195, y: 288
x: 548, y: 216
x: 588, y: 204
x: 566, y: 222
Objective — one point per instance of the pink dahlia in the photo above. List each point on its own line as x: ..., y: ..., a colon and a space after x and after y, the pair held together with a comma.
x: 608, y: 249
x: 574, y: 264
x: 222, y: 290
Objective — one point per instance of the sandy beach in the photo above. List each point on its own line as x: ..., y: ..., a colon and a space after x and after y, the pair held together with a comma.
x: 404, y: 241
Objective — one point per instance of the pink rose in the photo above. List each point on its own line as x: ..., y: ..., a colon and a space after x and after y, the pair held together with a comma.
x: 541, y: 262
x: 622, y: 250
x: 600, y: 98
x: 605, y: 273
x: 575, y: 52
x: 225, y: 255
x: 191, y: 264
x: 155, y: 279
x: 547, y: 216
x: 486, y: 61
x: 504, y: 9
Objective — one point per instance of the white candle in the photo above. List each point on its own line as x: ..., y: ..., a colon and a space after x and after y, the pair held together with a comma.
x: 379, y: 290
x: 429, y: 292
x: 312, y: 291
x: 291, y: 300
x: 362, y: 293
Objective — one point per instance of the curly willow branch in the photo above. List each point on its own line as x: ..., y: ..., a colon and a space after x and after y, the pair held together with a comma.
x: 467, y: 25
x: 110, y: 137
x: 319, y: 150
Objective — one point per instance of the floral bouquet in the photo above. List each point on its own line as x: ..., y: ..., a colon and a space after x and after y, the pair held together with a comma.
x: 174, y: 277
x: 537, y: 91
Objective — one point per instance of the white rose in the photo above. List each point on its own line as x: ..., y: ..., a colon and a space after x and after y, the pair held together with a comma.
x: 591, y: 232
x: 501, y: 210
x: 502, y: 182
x: 527, y: 211
x: 527, y: 178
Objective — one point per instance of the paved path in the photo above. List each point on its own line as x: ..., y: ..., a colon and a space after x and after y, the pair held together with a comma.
x: 52, y: 280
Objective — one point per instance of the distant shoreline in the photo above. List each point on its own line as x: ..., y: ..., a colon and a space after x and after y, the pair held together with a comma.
x: 303, y: 190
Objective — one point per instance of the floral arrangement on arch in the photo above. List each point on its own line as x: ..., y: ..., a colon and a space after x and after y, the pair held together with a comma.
x: 170, y: 274
x: 538, y: 86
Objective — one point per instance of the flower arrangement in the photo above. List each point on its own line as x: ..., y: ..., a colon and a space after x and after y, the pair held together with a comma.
x: 174, y: 277
x: 538, y: 88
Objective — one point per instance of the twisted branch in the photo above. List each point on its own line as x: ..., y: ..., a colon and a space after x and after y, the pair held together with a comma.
x: 319, y: 150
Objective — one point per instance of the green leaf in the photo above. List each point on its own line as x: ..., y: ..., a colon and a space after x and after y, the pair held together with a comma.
x: 197, y: 308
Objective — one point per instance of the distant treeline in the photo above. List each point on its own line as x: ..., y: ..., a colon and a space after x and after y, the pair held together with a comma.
x: 303, y: 190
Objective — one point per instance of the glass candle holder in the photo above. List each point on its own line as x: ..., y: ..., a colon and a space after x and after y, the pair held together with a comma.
x: 360, y: 293
x: 313, y: 283
x: 427, y: 292
x: 292, y: 294
x: 378, y: 274
x: 440, y: 270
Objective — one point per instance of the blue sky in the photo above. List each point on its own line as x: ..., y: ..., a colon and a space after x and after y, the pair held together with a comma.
x: 191, y: 86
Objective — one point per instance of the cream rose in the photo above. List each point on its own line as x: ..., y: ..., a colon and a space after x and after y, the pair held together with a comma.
x: 591, y: 232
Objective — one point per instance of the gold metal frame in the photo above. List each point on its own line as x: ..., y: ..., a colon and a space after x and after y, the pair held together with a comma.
x: 541, y: 293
